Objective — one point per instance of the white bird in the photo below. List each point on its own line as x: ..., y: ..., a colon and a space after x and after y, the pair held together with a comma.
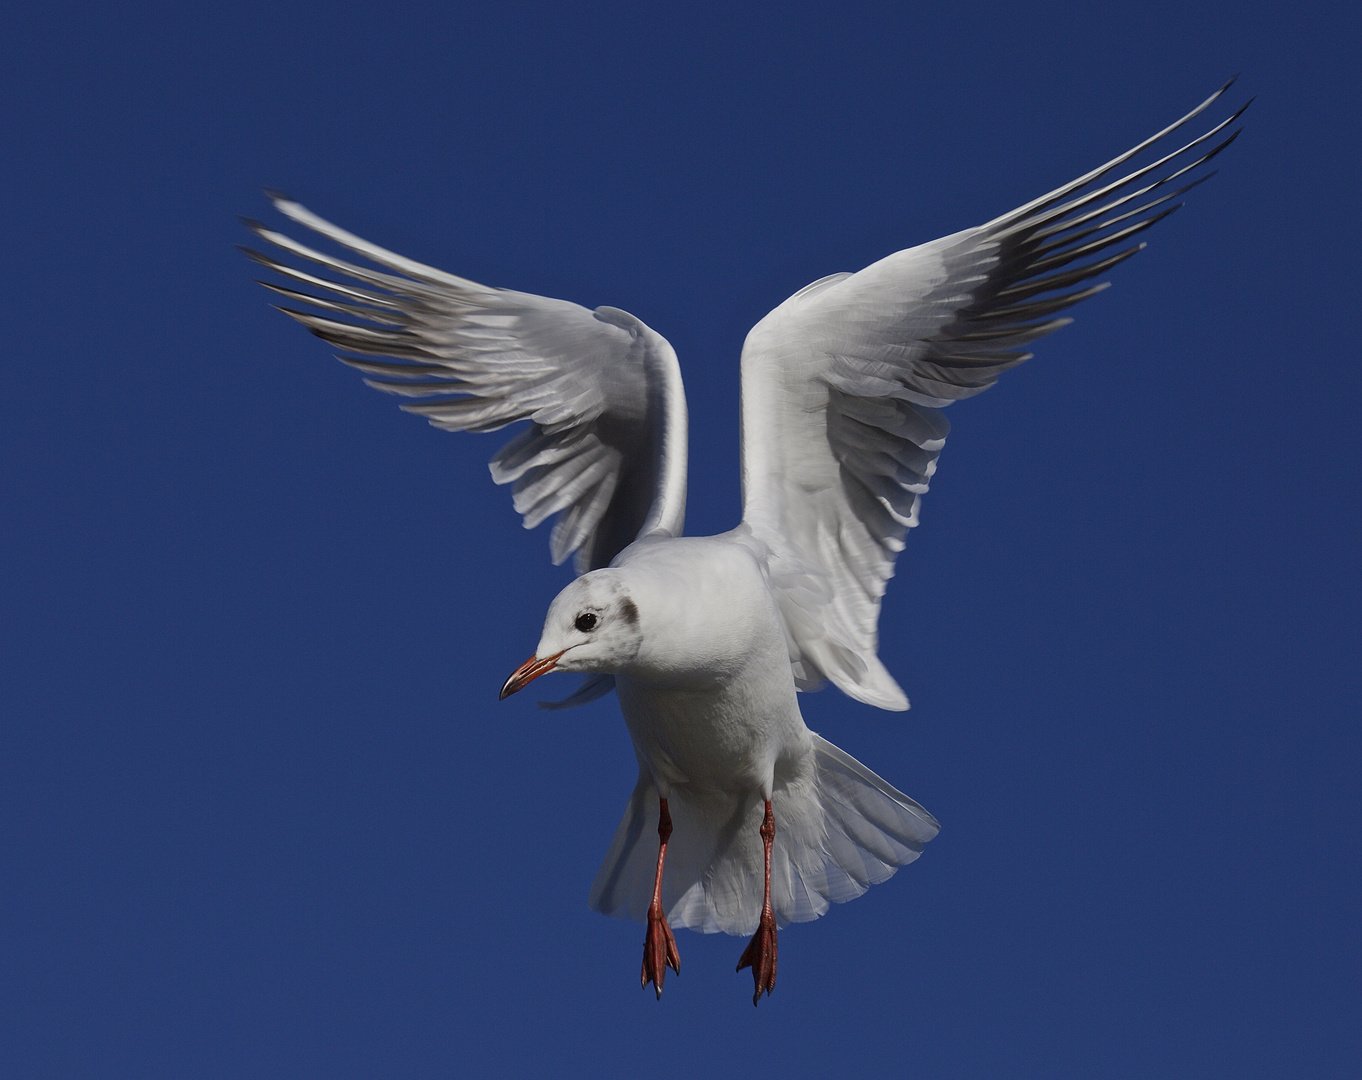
x: 760, y: 821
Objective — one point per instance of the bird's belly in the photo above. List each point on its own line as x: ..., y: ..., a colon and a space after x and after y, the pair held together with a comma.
x: 712, y: 739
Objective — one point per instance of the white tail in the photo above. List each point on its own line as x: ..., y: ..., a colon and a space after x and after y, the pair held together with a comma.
x: 839, y: 830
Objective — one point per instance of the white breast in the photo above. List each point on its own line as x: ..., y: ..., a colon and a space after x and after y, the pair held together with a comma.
x: 710, y: 701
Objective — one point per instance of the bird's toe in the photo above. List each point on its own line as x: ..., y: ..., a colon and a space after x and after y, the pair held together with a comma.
x: 760, y: 956
x: 659, y: 952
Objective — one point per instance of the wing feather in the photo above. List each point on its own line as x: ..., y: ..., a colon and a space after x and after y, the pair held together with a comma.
x: 605, y: 446
x: 844, y: 386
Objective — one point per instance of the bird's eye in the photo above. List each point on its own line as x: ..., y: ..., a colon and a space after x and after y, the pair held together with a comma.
x: 586, y: 621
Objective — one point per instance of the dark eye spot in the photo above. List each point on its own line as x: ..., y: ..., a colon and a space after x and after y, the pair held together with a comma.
x: 629, y: 611
x: 586, y: 621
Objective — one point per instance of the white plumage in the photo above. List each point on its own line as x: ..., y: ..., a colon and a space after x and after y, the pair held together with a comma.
x: 708, y: 639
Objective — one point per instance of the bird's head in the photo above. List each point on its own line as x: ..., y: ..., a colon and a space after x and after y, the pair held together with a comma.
x: 592, y: 627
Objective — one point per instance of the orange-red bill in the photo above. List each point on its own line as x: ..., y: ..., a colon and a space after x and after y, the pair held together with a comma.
x: 527, y: 672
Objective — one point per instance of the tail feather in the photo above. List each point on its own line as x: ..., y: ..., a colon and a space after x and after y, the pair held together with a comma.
x: 624, y: 883
x: 889, y: 827
x: 839, y: 830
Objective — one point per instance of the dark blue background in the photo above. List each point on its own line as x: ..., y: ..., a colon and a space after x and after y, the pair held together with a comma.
x: 260, y: 813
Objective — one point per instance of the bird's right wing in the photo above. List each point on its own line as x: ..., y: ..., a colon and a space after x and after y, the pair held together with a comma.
x: 605, y: 448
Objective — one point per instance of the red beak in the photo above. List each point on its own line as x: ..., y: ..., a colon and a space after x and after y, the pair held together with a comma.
x: 527, y: 672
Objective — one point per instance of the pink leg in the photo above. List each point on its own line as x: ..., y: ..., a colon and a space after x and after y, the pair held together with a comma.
x: 659, y: 946
x: 760, y: 954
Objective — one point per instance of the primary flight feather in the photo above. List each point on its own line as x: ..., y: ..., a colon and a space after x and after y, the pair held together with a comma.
x: 760, y: 822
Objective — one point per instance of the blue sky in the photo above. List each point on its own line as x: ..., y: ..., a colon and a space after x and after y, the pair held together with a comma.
x: 260, y: 811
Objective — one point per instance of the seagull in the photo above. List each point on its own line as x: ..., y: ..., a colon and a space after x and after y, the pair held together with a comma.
x: 760, y: 822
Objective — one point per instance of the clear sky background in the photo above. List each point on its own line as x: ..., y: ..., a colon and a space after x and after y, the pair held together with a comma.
x: 261, y: 814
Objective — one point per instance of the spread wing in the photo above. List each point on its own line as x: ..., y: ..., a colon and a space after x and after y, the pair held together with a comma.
x: 605, y: 448
x: 845, y: 382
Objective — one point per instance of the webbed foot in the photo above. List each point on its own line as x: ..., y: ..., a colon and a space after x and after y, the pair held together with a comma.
x: 659, y: 950
x: 760, y: 955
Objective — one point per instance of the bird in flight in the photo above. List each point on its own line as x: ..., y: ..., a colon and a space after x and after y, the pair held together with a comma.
x: 759, y: 821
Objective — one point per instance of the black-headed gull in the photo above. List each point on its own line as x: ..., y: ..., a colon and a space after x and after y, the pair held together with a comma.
x: 760, y: 821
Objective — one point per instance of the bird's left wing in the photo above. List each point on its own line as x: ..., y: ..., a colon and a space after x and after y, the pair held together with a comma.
x: 605, y: 448
x: 844, y: 385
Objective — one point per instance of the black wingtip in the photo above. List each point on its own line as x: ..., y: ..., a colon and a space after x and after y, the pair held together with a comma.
x: 256, y: 257
x: 276, y: 196
x: 1239, y: 111
x: 1233, y: 135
